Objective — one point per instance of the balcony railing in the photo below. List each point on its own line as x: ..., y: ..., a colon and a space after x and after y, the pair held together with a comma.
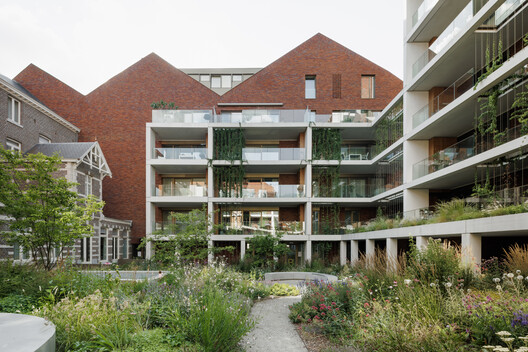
x: 180, y: 153
x: 265, y: 116
x: 504, y: 12
x: 444, y: 39
x: 446, y: 97
x: 351, y: 190
x: 182, y: 116
x: 273, y: 154
x: 265, y: 190
x: 446, y: 157
x: 461, y: 151
x: 356, y: 152
x: 262, y: 227
x: 334, y: 228
x: 422, y: 10
x: 348, y: 116
x: 193, y: 190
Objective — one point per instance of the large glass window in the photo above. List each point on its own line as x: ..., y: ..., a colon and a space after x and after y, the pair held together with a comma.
x: 216, y: 82
x: 86, y: 249
x: 309, y: 87
x: 226, y: 81
x: 367, y: 86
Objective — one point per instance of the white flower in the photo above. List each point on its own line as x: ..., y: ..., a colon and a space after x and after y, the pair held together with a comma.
x: 519, y: 277
x: 496, y: 280
x: 507, y: 339
x: 501, y: 349
x: 407, y: 281
x: 432, y: 284
x: 510, y: 275
x: 518, y: 272
x: 503, y: 333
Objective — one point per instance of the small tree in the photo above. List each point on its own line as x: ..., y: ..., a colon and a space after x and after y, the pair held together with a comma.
x: 184, y: 239
x: 263, y: 249
x: 43, y: 214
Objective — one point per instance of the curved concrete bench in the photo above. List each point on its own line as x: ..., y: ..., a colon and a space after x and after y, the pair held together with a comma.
x: 19, y: 332
x: 297, y: 275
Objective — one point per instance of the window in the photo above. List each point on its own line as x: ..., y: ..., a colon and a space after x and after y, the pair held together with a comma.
x: 226, y: 81
x: 237, y: 78
x: 13, y: 145
x: 367, y: 87
x: 86, y: 249
x: 216, y: 82
x: 309, y: 84
x: 124, y: 250
x: 205, y: 78
x: 88, y: 185
x: 115, y: 247
x: 13, y: 110
x: 44, y: 139
x: 16, y: 251
x: 102, y: 243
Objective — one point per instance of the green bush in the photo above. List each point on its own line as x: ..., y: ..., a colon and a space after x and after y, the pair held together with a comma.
x: 284, y: 290
x: 17, y: 304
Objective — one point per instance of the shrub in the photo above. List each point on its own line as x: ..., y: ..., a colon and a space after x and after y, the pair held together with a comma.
x: 284, y: 290
x: 17, y: 304
x: 516, y: 258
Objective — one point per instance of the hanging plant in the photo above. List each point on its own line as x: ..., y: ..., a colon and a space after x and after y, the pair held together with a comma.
x: 493, y: 60
x: 326, y: 144
x: 228, y: 143
x: 229, y: 180
x: 520, y: 113
x: 329, y: 219
x: 326, y: 180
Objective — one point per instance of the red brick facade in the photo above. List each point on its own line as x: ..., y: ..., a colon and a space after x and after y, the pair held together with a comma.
x: 116, y: 112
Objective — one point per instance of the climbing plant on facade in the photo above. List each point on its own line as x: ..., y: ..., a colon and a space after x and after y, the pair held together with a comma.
x: 520, y: 110
x: 228, y: 143
x: 162, y: 105
x: 326, y: 180
x: 326, y: 144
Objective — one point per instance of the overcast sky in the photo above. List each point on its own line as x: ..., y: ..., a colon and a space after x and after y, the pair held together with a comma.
x: 86, y: 42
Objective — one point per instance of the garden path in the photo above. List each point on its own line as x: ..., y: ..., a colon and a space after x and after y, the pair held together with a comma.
x: 274, y: 331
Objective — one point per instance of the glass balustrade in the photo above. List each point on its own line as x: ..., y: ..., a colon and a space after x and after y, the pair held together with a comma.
x: 353, y: 152
x: 181, y: 189
x: 334, y: 227
x: 265, y: 116
x: 262, y: 226
x: 180, y: 153
x: 270, y: 190
x: 273, y: 154
x: 458, y: 25
x: 422, y: 10
x: 356, y: 188
x: 182, y: 116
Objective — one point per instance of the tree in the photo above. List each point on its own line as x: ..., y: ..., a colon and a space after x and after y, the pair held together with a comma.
x: 184, y: 239
x: 41, y: 212
x: 263, y: 249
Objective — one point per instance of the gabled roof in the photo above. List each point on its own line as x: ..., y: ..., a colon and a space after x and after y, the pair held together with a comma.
x: 89, y: 153
x: 21, y: 93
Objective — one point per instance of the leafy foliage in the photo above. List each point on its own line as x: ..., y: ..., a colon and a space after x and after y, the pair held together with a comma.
x: 44, y: 213
x: 326, y: 144
x: 263, y: 249
x: 228, y: 143
x: 162, y: 105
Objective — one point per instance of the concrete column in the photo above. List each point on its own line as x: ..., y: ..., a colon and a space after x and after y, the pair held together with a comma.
x: 308, y: 143
x: 392, y: 254
x: 308, y: 252
x: 210, y: 256
x: 354, y: 251
x: 242, y: 249
x: 308, y: 218
x: 413, y: 200
x: 342, y: 253
x: 370, y: 247
x: 472, y: 250
x: 308, y: 181
x: 210, y: 182
x: 210, y: 143
x: 422, y: 242
x: 414, y: 151
x: 148, y: 251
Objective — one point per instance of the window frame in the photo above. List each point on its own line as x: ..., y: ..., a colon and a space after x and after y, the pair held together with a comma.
x: 307, y: 90
x: 14, y: 110
x: 103, y: 249
x: 12, y: 144
x: 43, y: 139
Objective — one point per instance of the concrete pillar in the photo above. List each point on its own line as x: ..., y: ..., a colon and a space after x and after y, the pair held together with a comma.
x: 370, y: 247
x: 342, y: 253
x: 210, y: 256
x: 413, y: 200
x: 242, y: 249
x: 472, y: 250
x: 308, y: 218
x: 148, y: 251
x: 210, y: 143
x: 308, y: 252
x: 354, y: 251
x: 422, y: 242
x: 392, y: 254
x: 308, y: 181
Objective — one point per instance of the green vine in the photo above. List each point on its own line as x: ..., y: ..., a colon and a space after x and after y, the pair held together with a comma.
x: 520, y: 106
x: 228, y: 143
x: 326, y: 144
x: 162, y: 105
x: 329, y: 219
x: 229, y: 180
x: 389, y: 129
x: 326, y: 180
x: 493, y: 60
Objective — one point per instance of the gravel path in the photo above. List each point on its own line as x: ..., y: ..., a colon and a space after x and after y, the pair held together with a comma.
x: 274, y: 331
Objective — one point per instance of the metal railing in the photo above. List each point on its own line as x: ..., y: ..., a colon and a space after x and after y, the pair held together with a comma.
x: 446, y: 97
x: 358, y: 189
x: 266, y: 190
x: 194, y: 153
x: 182, y: 116
x: 262, y: 227
x: 273, y: 154
x: 334, y: 228
x: 355, y: 152
x: 191, y: 190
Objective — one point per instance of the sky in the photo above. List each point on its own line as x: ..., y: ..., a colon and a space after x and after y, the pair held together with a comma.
x: 86, y: 42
